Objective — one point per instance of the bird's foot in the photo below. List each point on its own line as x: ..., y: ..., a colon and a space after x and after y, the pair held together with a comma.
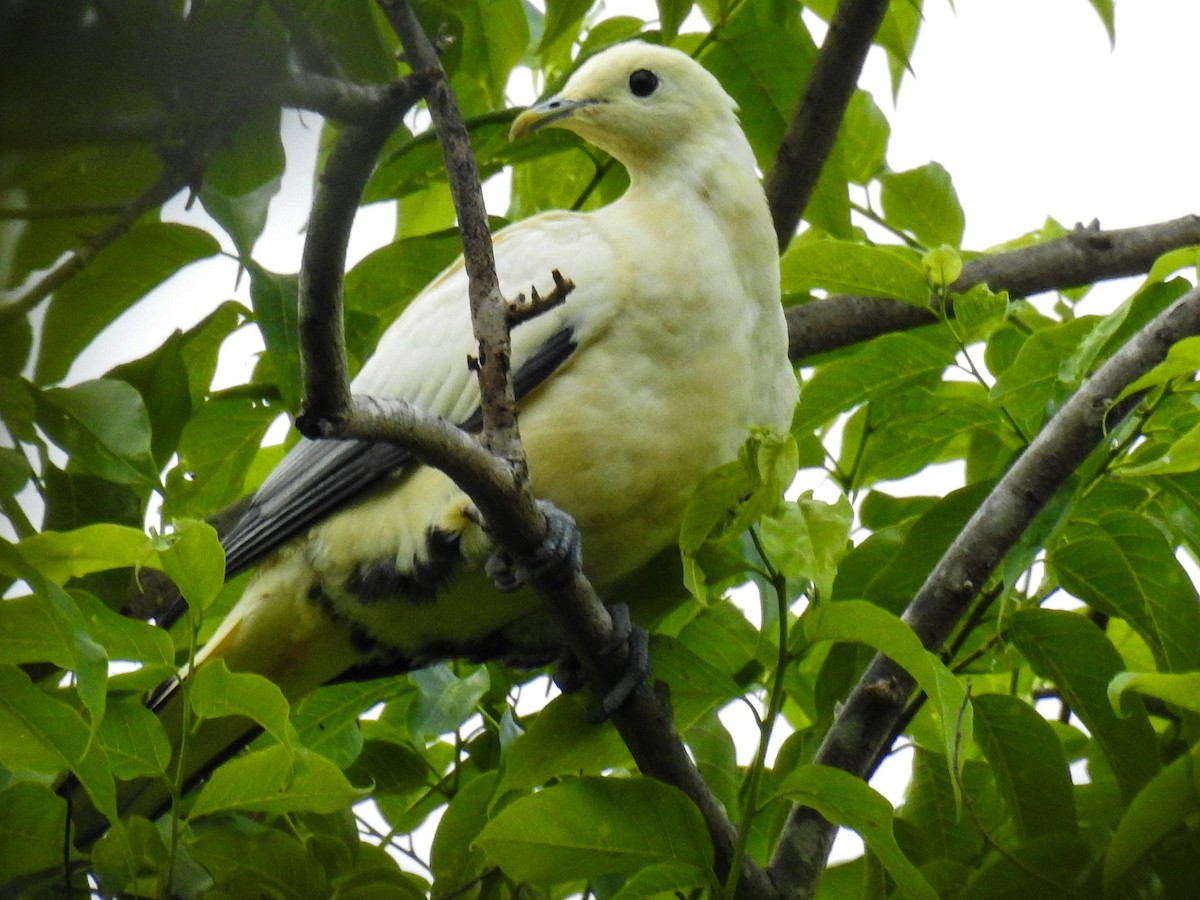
x: 569, y: 676
x: 554, y: 562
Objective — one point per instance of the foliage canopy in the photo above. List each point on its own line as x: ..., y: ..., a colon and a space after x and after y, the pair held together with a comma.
x: 1055, y: 722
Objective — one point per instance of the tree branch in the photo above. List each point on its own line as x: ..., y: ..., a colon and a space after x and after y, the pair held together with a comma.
x: 814, y: 126
x: 335, y: 203
x: 488, y: 309
x: 1085, y: 256
x: 860, y: 731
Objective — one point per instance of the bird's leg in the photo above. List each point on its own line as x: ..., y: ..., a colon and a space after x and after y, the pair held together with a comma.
x: 569, y: 676
x: 552, y: 564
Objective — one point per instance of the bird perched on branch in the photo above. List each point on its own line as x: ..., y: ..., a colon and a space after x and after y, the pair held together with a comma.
x: 671, y: 347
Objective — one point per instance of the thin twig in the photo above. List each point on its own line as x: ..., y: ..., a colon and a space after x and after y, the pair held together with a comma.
x: 498, y: 402
x: 184, y: 169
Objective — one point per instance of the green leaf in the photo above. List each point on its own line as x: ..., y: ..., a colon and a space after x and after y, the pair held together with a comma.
x: 1048, y: 867
x: 666, y: 880
x: 697, y: 685
x: 214, y: 691
x: 943, y: 830
x: 57, y: 177
x: 763, y: 65
x: 893, y: 585
x: 864, y: 623
x: 1072, y: 653
x: 711, y: 746
x: 249, y: 860
x: 1122, y: 565
x: 851, y: 268
x: 863, y: 138
x: 1179, y: 690
x: 555, y: 744
x: 16, y: 336
x: 61, y: 633
x: 33, y: 820
x: 942, y: 266
x: 116, y: 279
x: 884, y: 366
x: 727, y: 501
x: 1169, y: 801
x: 923, y: 202
x: 671, y: 14
x: 385, y: 280
x: 920, y: 425
x: 1028, y: 764
x: 125, y: 638
x: 1032, y: 387
x: 195, y: 561
x: 134, y: 740
x: 62, y: 555
x: 46, y: 736
x: 845, y: 800
x: 104, y: 427
x: 807, y: 540
x: 454, y: 859
x: 444, y: 701
x: 276, y: 309
x: 584, y: 828
x: 276, y: 779
x: 494, y: 37
x: 391, y: 768
x: 562, y: 17
x: 218, y: 445
x: 1183, y: 455
x: 1104, y: 9
x: 242, y: 177
x: 1182, y: 361
x: 327, y: 719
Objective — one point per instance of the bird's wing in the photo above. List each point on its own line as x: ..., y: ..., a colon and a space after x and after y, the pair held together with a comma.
x: 422, y: 358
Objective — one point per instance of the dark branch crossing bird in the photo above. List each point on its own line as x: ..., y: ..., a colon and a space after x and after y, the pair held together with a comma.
x: 670, y: 348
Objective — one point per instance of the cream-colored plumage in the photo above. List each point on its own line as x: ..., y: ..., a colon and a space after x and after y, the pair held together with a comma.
x: 679, y: 348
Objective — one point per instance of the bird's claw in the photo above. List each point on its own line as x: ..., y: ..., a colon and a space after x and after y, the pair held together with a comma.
x: 626, y: 635
x: 554, y: 562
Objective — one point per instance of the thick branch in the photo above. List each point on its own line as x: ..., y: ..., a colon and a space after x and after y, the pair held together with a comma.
x: 863, y: 725
x: 340, y: 99
x: 339, y: 190
x: 1085, y: 256
x: 814, y: 127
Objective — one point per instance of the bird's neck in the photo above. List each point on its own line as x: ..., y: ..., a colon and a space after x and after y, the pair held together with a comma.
x: 713, y: 177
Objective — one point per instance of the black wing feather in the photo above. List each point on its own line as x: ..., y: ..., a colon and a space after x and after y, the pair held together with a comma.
x: 317, y: 478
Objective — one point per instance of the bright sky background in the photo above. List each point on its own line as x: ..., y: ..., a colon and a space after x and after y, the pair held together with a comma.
x: 1023, y: 101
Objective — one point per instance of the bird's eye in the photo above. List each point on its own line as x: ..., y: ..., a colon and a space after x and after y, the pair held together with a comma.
x: 643, y: 83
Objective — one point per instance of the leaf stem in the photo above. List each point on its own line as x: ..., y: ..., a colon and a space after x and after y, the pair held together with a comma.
x: 767, y: 722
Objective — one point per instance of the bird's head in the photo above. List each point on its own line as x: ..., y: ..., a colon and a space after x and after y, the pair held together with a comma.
x: 639, y: 102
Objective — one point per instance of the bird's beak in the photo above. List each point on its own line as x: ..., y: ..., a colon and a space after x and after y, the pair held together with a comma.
x: 546, y: 113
